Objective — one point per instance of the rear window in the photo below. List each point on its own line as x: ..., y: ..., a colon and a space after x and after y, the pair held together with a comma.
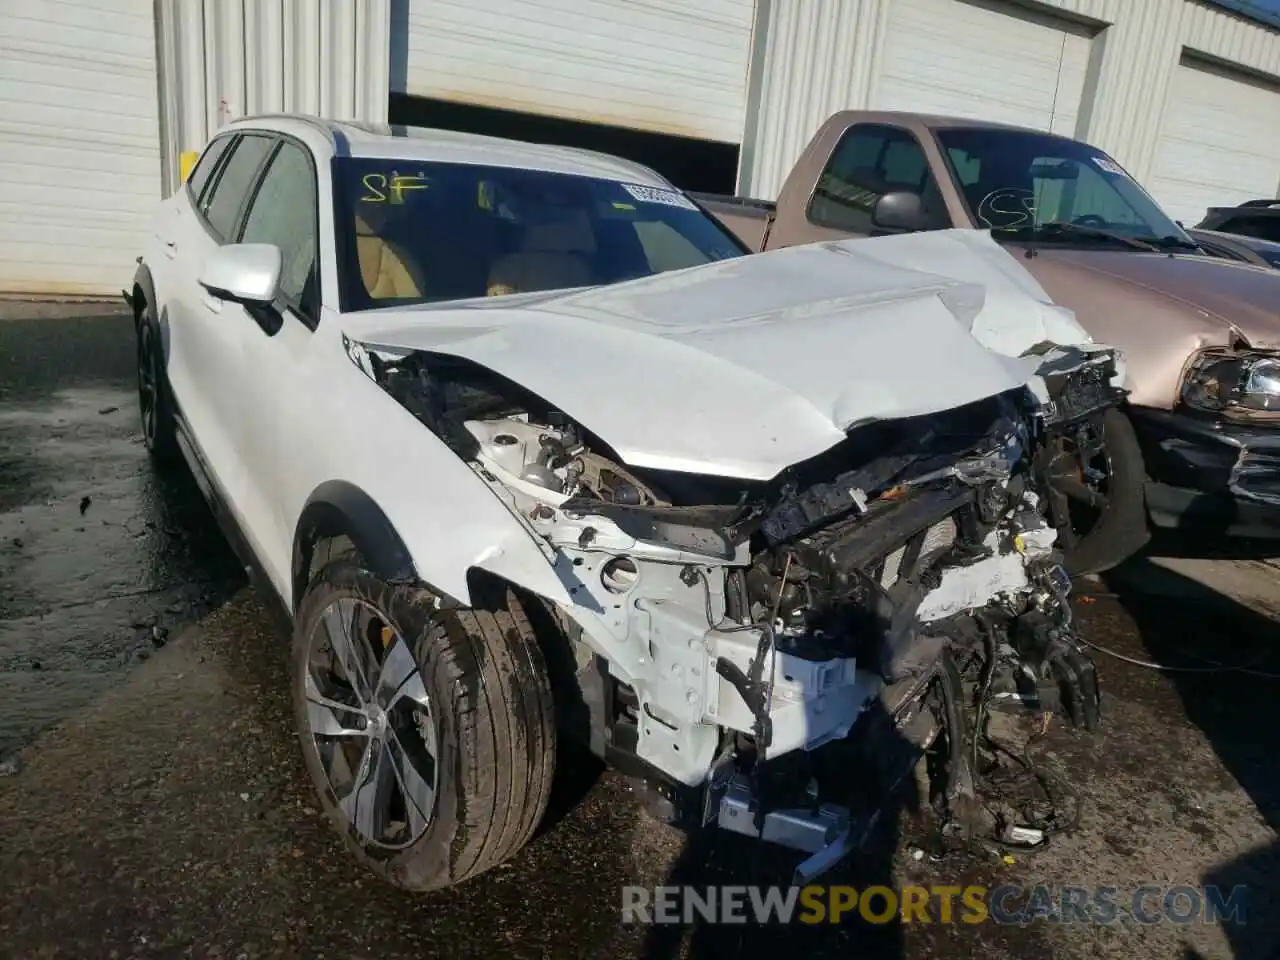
x: 423, y: 232
x: 204, y: 168
x: 222, y: 207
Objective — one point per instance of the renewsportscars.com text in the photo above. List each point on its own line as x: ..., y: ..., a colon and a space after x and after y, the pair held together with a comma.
x: 1006, y: 904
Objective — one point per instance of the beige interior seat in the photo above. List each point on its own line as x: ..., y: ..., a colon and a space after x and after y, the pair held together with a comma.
x: 388, y: 272
x: 552, y: 256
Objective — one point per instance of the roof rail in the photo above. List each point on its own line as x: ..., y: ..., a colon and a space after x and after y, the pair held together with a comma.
x: 320, y: 123
x: 1273, y: 202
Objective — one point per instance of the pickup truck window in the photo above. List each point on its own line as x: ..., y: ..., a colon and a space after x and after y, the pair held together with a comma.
x: 869, y: 161
x: 1016, y: 182
x: 414, y: 231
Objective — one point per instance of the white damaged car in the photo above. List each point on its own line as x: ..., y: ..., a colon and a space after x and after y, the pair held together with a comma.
x: 529, y: 450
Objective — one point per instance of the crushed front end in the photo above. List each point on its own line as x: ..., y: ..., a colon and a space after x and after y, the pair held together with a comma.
x: 773, y: 659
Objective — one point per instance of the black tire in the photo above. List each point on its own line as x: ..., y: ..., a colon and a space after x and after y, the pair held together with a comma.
x: 155, y: 403
x: 493, y: 728
x: 1119, y: 529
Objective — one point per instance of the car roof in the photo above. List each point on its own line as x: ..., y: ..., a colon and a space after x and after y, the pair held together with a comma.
x: 388, y: 142
x: 939, y: 121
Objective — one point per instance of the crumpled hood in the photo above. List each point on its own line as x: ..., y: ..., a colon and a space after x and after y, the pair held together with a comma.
x: 744, y: 367
x: 1240, y: 296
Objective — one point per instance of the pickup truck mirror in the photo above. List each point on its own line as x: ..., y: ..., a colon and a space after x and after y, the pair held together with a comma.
x: 900, y: 210
x: 247, y: 273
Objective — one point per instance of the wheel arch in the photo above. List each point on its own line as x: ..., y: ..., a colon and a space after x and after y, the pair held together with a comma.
x: 339, y: 508
x: 143, y: 292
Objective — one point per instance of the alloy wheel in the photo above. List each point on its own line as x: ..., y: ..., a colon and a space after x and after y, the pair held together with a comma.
x: 371, y: 721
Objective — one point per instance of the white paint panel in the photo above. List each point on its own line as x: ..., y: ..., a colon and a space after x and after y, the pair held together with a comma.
x: 989, y: 62
x: 663, y: 65
x: 79, y: 143
x: 1219, y: 143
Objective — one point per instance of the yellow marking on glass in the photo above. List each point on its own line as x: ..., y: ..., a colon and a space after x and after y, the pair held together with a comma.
x: 375, y: 183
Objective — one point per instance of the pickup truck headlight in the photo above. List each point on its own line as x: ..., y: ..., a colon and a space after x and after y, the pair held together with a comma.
x: 1233, y: 382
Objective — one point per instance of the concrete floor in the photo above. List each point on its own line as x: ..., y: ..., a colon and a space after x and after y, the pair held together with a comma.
x: 160, y: 808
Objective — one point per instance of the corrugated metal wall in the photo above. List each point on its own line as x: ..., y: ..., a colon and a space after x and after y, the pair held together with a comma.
x: 222, y: 59
x: 820, y: 56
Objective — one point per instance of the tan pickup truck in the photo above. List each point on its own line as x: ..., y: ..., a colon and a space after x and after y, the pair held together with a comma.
x: 1198, y: 444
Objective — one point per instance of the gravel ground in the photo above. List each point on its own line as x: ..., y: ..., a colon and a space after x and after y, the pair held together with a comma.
x: 173, y: 819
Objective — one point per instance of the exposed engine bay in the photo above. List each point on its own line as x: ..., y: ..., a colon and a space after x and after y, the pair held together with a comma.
x: 739, y: 644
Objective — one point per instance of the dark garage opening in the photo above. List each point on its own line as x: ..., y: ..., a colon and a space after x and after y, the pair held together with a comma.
x: 704, y: 166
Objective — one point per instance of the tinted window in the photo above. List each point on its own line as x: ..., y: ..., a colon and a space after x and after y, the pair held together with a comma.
x: 284, y: 213
x: 1264, y: 228
x: 234, y: 180
x: 868, y: 162
x: 1014, y: 180
x: 205, y: 166
x: 413, y: 231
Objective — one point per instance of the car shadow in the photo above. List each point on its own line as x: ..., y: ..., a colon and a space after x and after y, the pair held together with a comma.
x: 1184, y: 623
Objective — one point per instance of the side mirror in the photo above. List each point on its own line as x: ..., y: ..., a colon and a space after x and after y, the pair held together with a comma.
x: 900, y: 210
x: 247, y: 273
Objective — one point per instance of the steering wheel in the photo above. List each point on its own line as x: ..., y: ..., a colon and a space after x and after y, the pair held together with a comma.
x: 1090, y: 220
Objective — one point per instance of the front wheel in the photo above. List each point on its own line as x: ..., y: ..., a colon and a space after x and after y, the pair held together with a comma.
x: 1094, y: 477
x: 429, y: 735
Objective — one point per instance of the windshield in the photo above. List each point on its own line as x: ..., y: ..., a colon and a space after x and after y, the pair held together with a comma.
x: 418, y: 232
x: 1015, y: 182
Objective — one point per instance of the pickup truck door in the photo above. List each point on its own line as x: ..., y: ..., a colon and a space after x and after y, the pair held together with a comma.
x: 835, y: 200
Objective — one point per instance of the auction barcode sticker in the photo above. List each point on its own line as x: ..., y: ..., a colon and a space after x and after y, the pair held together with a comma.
x: 669, y: 198
x: 1110, y: 166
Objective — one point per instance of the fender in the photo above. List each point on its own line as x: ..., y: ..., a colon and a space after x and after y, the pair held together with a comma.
x: 335, y: 508
x: 142, y: 281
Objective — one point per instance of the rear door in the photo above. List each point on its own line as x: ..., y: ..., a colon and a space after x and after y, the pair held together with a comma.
x: 175, y: 215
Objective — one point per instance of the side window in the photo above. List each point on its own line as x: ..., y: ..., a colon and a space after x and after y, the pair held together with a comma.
x: 283, y: 212
x: 235, y: 177
x: 868, y: 162
x: 207, y: 163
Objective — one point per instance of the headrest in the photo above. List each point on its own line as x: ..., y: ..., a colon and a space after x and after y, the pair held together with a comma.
x: 571, y: 233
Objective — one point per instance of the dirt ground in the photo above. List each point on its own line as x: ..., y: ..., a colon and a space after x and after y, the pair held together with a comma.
x: 161, y: 808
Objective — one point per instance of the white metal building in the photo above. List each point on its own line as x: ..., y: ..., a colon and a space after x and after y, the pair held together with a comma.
x: 98, y: 98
